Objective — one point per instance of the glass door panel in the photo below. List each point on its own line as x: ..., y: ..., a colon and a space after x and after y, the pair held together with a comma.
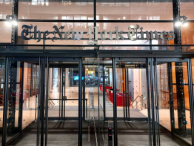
x: 62, y: 89
x: 2, y: 83
x: 23, y: 100
x: 172, y: 111
x: 132, y: 105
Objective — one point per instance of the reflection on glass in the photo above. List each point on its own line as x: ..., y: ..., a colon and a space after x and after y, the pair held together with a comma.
x: 132, y: 89
x: 66, y: 10
x: 5, y: 8
x: 173, y: 94
x: 132, y: 97
x: 140, y: 38
x: 30, y: 93
x: 186, y: 9
x: 2, y: 78
x: 134, y: 10
x: 5, y: 32
x: 14, y: 96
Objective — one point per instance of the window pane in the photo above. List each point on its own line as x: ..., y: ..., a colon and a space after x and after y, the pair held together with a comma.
x: 67, y: 10
x: 5, y: 32
x: 2, y: 76
x: 186, y: 7
x: 5, y: 8
x: 187, y: 37
x: 122, y: 10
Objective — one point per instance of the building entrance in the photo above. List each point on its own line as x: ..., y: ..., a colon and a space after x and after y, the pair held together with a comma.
x: 97, y: 101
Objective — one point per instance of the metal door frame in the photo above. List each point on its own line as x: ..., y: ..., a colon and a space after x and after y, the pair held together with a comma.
x: 190, y: 85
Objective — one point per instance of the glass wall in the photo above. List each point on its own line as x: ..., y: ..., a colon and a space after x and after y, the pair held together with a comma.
x: 5, y: 8
x: 186, y: 9
x: 173, y: 99
x: 30, y: 93
x: 66, y: 10
x: 134, y: 10
x: 132, y: 102
x: 2, y: 84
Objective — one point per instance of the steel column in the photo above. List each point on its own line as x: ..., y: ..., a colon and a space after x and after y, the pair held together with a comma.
x: 191, y: 99
x: 114, y: 102
x: 171, y: 102
x: 21, y: 98
x: 42, y: 100
x: 80, y: 104
x: 152, y: 101
x: 156, y: 104
x: 46, y: 112
x: 104, y: 101
x: 148, y: 100
x: 6, y: 95
x: 176, y: 14
x: 14, y: 34
x: 59, y: 70
x: 62, y: 93
x: 39, y: 99
x: 84, y: 100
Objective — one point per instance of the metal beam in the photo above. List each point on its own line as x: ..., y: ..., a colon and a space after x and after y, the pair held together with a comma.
x: 114, y: 102
x: 21, y: 98
x: 80, y: 104
x: 46, y: 110
x: 148, y: 99
x: 191, y: 99
x: 152, y: 101
x: 42, y: 100
x: 6, y: 95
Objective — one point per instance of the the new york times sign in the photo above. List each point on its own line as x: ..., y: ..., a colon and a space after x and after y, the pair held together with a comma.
x: 30, y: 32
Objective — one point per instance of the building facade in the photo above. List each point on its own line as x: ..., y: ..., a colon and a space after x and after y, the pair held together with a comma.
x: 96, y: 72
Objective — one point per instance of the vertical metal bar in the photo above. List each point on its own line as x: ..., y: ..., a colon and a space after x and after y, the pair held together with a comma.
x: 94, y: 15
x: 80, y: 104
x: 169, y: 70
x: 59, y: 70
x: 148, y: 100
x: 6, y: 94
x: 125, y: 109
x: 104, y: 101
x: 176, y: 14
x: 191, y: 99
x: 39, y: 99
x: 157, y: 103
x: 21, y: 98
x: 114, y: 102
x: 180, y: 98
x: 47, y: 83
x: 84, y: 106
x: 42, y: 100
x: 127, y: 77
x: 123, y: 74
x: 98, y: 68
x: 14, y: 35
x: 152, y: 101
x: 62, y: 93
